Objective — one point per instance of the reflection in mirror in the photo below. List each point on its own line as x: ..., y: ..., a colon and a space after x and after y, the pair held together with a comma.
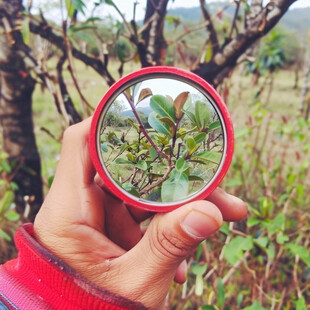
x: 161, y: 140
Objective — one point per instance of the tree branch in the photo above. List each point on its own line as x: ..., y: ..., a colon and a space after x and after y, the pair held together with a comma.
x: 45, y: 31
x: 226, y: 58
x: 210, y: 28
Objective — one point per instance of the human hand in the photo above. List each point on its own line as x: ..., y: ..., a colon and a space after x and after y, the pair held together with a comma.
x: 100, y: 237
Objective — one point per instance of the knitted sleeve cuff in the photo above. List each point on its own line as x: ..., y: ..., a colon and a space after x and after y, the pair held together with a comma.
x: 37, y: 279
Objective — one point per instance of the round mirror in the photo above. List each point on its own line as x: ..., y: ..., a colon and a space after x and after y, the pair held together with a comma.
x: 161, y: 137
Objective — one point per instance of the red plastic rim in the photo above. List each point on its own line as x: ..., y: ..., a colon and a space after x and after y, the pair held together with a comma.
x: 187, y: 77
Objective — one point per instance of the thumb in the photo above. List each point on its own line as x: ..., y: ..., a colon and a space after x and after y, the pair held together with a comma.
x: 169, y: 239
x: 172, y: 237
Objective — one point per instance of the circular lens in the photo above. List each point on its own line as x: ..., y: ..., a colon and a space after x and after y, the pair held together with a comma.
x: 161, y: 140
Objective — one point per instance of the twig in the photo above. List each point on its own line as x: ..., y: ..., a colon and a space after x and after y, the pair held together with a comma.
x: 50, y: 134
x: 233, y: 24
x: 143, y: 129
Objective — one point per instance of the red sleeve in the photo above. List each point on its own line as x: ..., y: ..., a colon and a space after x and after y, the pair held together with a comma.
x: 36, y: 280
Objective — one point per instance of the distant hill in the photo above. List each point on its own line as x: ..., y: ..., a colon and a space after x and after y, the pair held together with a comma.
x: 296, y: 20
x: 145, y: 110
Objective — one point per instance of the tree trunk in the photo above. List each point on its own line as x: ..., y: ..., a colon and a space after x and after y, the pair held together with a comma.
x: 153, y: 37
x: 16, y: 88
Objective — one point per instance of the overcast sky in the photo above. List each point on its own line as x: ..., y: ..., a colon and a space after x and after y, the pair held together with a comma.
x: 126, y: 7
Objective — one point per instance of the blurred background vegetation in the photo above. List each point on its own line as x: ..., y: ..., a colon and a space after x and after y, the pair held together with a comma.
x: 54, y: 71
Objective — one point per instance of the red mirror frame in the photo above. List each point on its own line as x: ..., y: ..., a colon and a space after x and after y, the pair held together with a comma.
x: 112, y: 187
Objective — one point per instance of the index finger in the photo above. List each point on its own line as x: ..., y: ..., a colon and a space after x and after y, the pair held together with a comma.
x: 231, y: 207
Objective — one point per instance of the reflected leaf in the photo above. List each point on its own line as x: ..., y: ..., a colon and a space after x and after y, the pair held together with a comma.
x: 158, y: 125
x: 162, y: 106
x: 202, y: 114
x: 210, y: 156
x: 175, y: 187
x: 122, y: 161
x: 200, y: 137
x: 146, y: 92
x: 179, y: 103
x: 215, y: 125
x: 142, y: 165
x: 181, y: 165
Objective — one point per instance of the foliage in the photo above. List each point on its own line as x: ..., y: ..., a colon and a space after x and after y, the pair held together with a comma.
x: 8, y: 217
x: 169, y: 160
x: 265, y: 260
x: 271, y: 54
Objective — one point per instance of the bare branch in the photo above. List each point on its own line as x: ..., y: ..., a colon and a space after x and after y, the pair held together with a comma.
x: 45, y: 31
x: 210, y: 28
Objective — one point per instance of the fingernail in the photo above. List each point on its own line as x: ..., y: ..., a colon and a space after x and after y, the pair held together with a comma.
x: 199, y: 225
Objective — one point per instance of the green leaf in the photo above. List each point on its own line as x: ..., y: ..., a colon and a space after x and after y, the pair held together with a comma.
x: 77, y: 28
x: 209, y: 51
x: 198, y: 269
x: 79, y: 5
x: 162, y: 106
x: 104, y: 146
x: 130, y: 156
x: 195, y: 178
x: 220, y: 294
x: 301, y: 251
x: 239, y: 299
x: 191, y: 145
x: 255, y: 306
x: 50, y: 181
x: 301, y: 304
x: 136, y: 126
x: 225, y: 229
x: 12, y: 216
x: 153, y: 153
x: 159, y: 126
x: 6, y: 201
x: 261, y: 242
x: 199, y: 251
x: 281, y: 238
x: 181, y: 165
x: 191, y: 116
x: 142, y: 165
x: 26, y: 30
x: 215, y: 125
x: 271, y: 252
x: 233, y: 252
x: 200, y: 137
x: 202, y: 114
x: 5, y: 166
x: 122, y: 161
x: 276, y: 225
x: 4, y: 235
x: 109, y: 2
x: 207, y: 307
x: 175, y: 187
x: 69, y: 7
x: 210, y: 156
x: 128, y: 187
x: 252, y: 221
x: 154, y: 195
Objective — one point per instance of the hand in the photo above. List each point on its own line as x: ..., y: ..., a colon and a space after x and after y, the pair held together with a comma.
x: 101, y: 238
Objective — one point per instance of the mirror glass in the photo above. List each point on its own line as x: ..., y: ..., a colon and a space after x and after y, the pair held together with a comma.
x: 161, y: 139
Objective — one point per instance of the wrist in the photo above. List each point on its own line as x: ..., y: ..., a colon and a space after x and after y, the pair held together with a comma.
x: 38, y: 278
